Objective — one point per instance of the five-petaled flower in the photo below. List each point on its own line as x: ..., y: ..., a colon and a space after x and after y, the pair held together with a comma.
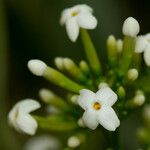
x: 98, y: 108
x: 76, y: 17
x: 20, y: 118
x: 143, y: 45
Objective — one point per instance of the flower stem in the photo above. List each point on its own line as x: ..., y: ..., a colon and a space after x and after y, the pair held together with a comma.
x: 90, y: 52
x: 128, y: 49
x: 61, y: 80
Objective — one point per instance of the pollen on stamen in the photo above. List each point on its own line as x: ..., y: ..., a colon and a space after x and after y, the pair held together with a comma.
x: 97, y: 106
x: 74, y: 13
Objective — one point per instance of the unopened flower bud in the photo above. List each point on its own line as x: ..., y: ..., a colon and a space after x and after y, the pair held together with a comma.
x: 81, y: 123
x: 121, y: 92
x: 102, y: 84
x: 73, y: 142
x: 46, y: 95
x: 74, y: 99
x: 84, y: 66
x: 131, y: 27
x: 112, y: 48
x: 119, y: 45
x: 132, y: 74
x: 139, y: 99
x: 59, y: 63
x: 68, y: 63
x: 37, y: 67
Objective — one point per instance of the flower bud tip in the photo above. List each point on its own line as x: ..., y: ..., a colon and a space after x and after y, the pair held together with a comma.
x: 37, y: 67
x: 131, y: 27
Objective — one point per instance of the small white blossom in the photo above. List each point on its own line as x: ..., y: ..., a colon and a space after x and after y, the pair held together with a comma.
x: 130, y: 27
x: 37, y: 67
x: 20, y: 118
x: 98, y: 108
x: 76, y: 17
x: 143, y: 45
x: 42, y: 142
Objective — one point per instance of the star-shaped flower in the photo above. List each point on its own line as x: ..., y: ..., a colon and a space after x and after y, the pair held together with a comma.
x: 98, y: 108
x: 20, y: 118
x: 143, y: 45
x: 76, y: 17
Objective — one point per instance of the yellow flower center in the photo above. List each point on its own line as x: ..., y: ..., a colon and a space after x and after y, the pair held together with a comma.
x: 97, y: 106
x: 74, y: 13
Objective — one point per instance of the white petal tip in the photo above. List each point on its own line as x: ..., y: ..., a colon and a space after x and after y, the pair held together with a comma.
x: 131, y: 27
x: 37, y: 67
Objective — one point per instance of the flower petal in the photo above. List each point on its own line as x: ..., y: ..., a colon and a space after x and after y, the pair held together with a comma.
x: 27, y: 105
x: 27, y: 124
x: 87, y: 21
x: 89, y: 119
x: 147, y: 55
x: 141, y: 44
x: 83, y: 8
x: 12, y: 118
x: 86, y: 98
x: 147, y: 37
x: 65, y: 15
x: 72, y: 29
x: 106, y: 96
x: 108, y: 118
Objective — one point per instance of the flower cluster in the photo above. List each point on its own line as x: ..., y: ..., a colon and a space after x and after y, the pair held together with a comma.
x: 96, y: 94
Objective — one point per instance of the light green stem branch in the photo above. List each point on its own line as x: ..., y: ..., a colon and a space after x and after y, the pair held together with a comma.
x: 90, y: 52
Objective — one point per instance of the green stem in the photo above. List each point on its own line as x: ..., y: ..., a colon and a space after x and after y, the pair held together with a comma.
x: 128, y: 49
x: 61, y: 80
x: 90, y: 52
x: 56, y: 123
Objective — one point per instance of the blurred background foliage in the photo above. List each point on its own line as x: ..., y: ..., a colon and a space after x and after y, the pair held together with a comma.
x: 30, y: 29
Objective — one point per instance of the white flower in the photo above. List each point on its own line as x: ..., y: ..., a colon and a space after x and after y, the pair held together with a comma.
x: 143, y: 45
x: 20, y: 118
x: 130, y: 27
x: 43, y: 142
x: 98, y: 108
x: 37, y: 67
x: 76, y: 17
